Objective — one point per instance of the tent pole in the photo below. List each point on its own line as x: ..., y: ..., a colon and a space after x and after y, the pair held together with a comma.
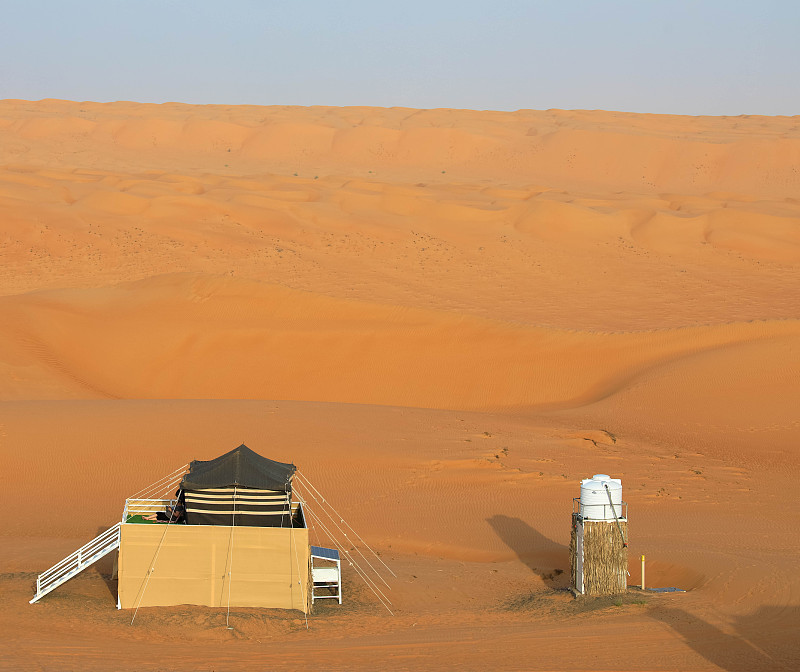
x: 297, y: 561
x: 230, y: 565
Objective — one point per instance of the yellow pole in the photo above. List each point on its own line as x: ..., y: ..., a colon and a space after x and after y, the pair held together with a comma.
x: 642, y: 572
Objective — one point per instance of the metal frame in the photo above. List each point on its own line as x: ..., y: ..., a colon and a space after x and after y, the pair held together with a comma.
x: 75, y: 563
x: 623, y: 509
x: 135, y: 506
x: 329, y: 578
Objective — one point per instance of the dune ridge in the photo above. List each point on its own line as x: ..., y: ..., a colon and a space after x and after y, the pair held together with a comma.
x: 605, y: 149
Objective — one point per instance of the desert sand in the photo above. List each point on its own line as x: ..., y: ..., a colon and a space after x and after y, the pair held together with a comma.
x: 446, y: 319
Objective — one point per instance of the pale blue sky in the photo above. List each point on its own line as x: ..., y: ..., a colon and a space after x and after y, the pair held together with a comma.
x: 705, y: 57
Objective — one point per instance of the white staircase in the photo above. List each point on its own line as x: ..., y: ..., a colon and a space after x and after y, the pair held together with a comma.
x: 74, y: 564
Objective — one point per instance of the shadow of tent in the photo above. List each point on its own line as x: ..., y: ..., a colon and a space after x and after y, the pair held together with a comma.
x: 543, y: 556
x: 765, y: 640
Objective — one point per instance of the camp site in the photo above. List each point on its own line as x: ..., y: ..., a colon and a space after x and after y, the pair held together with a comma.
x: 181, y: 550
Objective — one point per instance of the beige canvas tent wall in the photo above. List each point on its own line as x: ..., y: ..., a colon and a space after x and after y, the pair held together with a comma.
x: 214, y: 565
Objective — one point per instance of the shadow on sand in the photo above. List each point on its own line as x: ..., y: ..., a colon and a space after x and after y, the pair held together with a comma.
x: 544, y: 557
x: 105, y: 568
x: 767, y: 639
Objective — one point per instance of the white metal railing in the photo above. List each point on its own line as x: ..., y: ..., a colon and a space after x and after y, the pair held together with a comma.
x: 142, y: 502
x: 140, y: 507
x: 162, y: 485
x: 76, y: 562
x: 154, y: 497
x: 600, y: 511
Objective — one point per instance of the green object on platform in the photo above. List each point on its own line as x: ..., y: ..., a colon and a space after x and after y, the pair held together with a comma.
x: 138, y: 519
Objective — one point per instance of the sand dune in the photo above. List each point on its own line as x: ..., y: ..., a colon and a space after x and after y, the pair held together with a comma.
x: 446, y: 318
x: 190, y: 336
x: 604, y: 149
x: 536, y: 255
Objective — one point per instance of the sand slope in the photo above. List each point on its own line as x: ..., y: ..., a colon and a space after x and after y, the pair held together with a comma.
x: 446, y: 318
x: 189, y: 336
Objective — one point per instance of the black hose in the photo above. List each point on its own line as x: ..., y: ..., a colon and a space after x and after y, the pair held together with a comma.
x: 619, y: 527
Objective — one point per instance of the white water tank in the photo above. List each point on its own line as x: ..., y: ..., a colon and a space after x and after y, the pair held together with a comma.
x: 595, y: 504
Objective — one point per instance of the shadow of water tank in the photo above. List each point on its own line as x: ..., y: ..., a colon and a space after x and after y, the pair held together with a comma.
x: 544, y: 557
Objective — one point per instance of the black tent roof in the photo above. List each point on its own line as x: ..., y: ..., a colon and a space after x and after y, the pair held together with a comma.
x: 241, y: 467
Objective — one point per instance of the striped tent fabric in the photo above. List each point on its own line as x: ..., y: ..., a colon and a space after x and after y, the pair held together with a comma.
x: 237, y: 506
x: 239, y: 488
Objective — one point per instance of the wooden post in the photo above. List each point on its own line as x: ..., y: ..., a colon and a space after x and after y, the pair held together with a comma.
x: 642, y: 572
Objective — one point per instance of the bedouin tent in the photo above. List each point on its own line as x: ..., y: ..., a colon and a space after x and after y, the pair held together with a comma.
x: 244, y: 542
x: 239, y: 488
